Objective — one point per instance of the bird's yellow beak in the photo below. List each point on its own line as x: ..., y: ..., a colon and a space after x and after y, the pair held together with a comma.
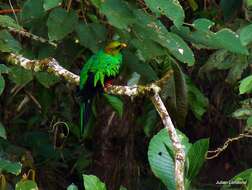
x: 123, y: 45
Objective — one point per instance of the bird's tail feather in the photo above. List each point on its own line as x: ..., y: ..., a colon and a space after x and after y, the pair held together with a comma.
x: 85, y: 111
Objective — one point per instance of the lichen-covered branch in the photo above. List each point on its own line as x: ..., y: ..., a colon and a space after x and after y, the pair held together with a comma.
x: 151, y: 90
x: 50, y: 65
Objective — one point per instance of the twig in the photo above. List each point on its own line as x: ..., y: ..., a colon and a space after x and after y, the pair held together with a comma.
x: 151, y: 90
x: 225, y: 145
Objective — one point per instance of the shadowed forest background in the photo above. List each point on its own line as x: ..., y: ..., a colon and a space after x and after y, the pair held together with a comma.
x: 207, y: 45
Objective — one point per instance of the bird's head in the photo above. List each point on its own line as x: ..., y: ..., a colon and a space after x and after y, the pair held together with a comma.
x: 114, y: 47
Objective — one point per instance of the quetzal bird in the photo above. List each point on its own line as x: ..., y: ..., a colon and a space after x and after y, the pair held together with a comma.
x: 96, y: 73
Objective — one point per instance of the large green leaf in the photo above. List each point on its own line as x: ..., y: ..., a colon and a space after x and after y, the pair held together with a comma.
x: 91, y: 35
x: 60, y: 23
x: 242, y: 113
x: 92, y: 182
x: 223, y: 39
x: 32, y: 9
x: 49, y: 4
x: 246, y: 85
x: 117, y: 12
x: 160, y: 159
x: 4, y: 69
x: 196, y: 157
x: 10, y: 167
x: 116, y: 103
x: 26, y: 185
x: 2, y: 131
x: 20, y: 76
x: 72, y: 187
x: 244, y: 176
x: 245, y: 35
x: 6, y: 21
x: 170, y: 8
x: 147, y: 27
x: 8, y: 43
x: 2, y: 84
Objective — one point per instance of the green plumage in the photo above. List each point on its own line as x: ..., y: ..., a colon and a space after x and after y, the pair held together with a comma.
x: 94, y: 73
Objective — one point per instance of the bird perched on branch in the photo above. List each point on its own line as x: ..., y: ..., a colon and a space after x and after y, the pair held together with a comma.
x: 96, y: 73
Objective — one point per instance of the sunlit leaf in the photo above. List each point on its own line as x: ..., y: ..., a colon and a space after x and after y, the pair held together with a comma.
x: 92, y: 182
x: 10, y: 167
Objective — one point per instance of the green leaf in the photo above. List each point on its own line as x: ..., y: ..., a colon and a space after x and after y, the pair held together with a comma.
x: 32, y: 9
x: 196, y: 157
x: 249, y: 3
x: 170, y: 8
x: 160, y: 160
x: 92, y: 182
x: 91, y: 35
x: 26, y: 185
x: 2, y: 131
x: 4, y: 69
x: 246, y: 85
x: 20, y: 76
x: 8, y: 43
x: 2, y: 84
x: 245, y: 35
x: 242, y: 113
x: 198, y: 103
x: 6, y: 21
x: 223, y: 39
x: 249, y: 122
x: 193, y: 4
x: 46, y: 79
x: 10, y: 167
x: 72, y: 187
x: 148, y: 27
x: 49, y: 4
x: 116, y: 103
x: 60, y: 23
x: 243, y: 176
x: 117, y: 12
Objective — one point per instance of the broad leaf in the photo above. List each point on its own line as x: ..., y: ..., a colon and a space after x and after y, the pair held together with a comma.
x: 4, y: 69
x: 223, y: 39
x: 72, y: 187
x: 249, y: 122
x: 245, y: 35
x: 117, y: 12
x: 196, y: 157
x: 60, y: 23
x: 26, y: 185
x: 8, y: 43
x: 49, y: 4
x: 20, y: 76
x: 91, y: 35
x: 116, y: 103
x: 92, y: 182
x: 32, y: 9
x: 160, y: 160
x: 246, y: 85
x: 10, y: 167
x: 242, y: 113
x: 170, y: 8
x: 6, y: 21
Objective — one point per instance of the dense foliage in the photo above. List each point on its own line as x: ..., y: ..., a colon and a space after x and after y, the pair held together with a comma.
x: 207, y: 44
